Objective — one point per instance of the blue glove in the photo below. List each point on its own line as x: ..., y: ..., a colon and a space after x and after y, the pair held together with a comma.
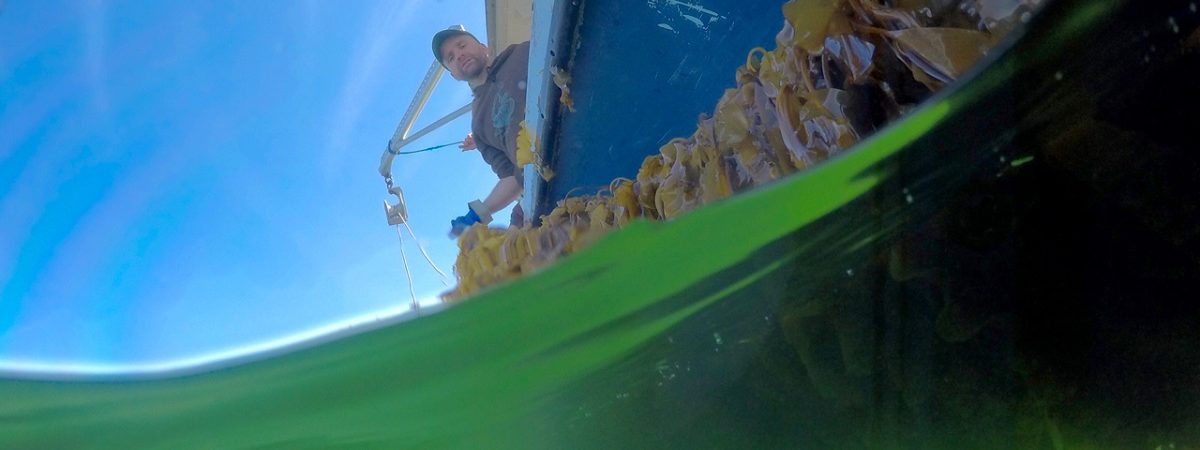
x: 461, y: 223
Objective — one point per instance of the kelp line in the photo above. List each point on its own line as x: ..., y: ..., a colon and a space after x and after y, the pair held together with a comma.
x: 841, y: 69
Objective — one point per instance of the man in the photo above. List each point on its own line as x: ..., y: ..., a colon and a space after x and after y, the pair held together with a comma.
x: 498, y: 85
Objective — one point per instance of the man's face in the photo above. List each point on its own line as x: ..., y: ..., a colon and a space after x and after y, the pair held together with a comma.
x: 465, y: 57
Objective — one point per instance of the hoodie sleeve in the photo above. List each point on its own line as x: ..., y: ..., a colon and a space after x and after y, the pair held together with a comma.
x: 498, y: 160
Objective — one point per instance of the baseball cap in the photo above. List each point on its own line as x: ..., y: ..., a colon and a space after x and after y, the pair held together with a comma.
x: 441, y: 37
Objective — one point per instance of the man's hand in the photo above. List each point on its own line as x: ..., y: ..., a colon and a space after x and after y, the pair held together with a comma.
x: 468, y: 143
x: 477, y: 212
x: 461, y: 223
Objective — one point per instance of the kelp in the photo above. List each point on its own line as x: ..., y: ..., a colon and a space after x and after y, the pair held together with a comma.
x: 840, y: 70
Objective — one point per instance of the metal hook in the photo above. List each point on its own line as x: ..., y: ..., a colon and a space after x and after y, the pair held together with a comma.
x: 398, y: 213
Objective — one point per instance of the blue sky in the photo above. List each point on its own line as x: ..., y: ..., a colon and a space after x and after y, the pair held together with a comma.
x: 184, y: 178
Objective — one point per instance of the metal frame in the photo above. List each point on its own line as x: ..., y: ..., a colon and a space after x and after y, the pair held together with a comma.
x: 400, y: 137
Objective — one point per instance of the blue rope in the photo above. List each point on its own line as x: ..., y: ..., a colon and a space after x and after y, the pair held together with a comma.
x: 425, y: 149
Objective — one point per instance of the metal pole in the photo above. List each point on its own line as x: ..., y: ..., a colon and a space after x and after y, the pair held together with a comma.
x: 394, y: 146
x: 400, y: 137
x: 432, y: 76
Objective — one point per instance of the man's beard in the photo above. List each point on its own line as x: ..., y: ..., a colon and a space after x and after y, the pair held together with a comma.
x: 475, y: 71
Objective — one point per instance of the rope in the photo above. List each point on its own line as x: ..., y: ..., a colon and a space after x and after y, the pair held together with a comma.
x: 423, y: 253
x: 407, y: 273
x: 425, y: 149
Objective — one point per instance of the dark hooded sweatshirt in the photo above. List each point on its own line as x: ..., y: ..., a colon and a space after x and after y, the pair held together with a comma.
x: 499, y: 108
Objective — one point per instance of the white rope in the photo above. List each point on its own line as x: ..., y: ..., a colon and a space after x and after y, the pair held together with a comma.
x: 407, y: 273
x: 422, y: 249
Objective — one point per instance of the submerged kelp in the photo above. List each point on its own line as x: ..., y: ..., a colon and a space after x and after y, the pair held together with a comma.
x: 841, y: 69
x: 1023, y: 279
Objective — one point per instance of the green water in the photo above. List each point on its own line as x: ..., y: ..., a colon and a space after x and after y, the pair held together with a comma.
x: 921, y: 291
